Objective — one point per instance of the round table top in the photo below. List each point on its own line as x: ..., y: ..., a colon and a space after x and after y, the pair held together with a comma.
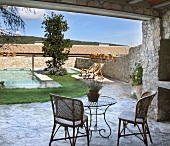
x: 102, y: 101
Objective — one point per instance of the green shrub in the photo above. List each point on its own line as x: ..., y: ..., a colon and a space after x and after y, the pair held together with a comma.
x: 137, y: 73
x: 64, y: 70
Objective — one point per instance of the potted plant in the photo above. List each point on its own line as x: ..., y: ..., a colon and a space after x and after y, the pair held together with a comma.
x: 113, y: 57
x: 8, y: 54
x: 106, y: 56
x: 13, y: 54
x: 136, y: 77
x: 101, y: 56
x: 94, y: 87
x: 1, y: 54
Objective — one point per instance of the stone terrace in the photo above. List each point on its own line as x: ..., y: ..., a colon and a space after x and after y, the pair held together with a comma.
x: 31, y: 124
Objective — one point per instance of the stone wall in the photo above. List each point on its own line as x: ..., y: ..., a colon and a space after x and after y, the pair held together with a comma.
x: 22, y: 62
x: 119, y: 69
x: 150, y: 58
x: 70, y: 62
x: 149, y: 53
x: 26, y: 62
x: 134, y: 56
x: 166, y: 24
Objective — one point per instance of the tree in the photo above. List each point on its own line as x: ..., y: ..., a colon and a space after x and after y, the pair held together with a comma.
x: 11, y: 18
x: 55, y: 45
x: 12, y: 21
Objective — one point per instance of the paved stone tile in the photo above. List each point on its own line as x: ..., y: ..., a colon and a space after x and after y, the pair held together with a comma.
x: 31, y: 124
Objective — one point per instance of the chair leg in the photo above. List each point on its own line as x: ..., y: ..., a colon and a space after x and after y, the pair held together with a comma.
x: 101, y: 75
x: 66, y: 131
x: 149, y: 132
x: 87, y: 132
x: 124, y: 127
x: 73, y: 139
x: 52, y: 134
x: 118, y: 132
x: 144, y: 135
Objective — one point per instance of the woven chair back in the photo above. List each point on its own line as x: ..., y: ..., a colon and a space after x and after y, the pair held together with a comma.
x: 67, y: 108
x: 143, y: 103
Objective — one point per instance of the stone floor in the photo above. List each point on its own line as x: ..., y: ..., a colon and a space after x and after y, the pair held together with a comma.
x: 31, y: 124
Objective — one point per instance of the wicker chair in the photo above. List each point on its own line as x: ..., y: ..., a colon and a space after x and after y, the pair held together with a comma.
x: 139, y: 117
x: 68, y: 113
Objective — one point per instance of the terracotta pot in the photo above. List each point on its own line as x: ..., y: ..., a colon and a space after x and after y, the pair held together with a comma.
x: 8, y: 54
x: 93, y: 95
x: 138, y: 91
x: 113, y: 58
x: 13, y: 54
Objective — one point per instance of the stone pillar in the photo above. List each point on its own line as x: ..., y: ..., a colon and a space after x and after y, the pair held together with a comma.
x: 33, y: 62
x: 155, y: 32
x: 166, y: 24
x: 150, y: 58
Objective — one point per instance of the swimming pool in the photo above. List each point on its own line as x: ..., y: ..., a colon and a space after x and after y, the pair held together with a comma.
x: 19, y: 78
x: 73, y: 70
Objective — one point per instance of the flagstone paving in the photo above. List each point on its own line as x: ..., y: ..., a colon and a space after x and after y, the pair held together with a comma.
x: 31, y: 124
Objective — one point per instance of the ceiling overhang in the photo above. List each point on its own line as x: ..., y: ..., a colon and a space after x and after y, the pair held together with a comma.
x: 100, y: 7
x: 162, y: 5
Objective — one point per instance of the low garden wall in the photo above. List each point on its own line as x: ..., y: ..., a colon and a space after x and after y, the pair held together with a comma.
x: 115, y: 69
x: 119, y: 69
x: 26, y: 62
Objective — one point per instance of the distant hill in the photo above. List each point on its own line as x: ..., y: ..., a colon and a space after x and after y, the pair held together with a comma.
x: 19, y: 39
x: 32, y: 39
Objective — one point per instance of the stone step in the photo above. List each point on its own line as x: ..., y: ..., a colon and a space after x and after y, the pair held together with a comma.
x: 43, y: 77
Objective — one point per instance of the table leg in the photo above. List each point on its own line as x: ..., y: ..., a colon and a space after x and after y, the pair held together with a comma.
x: 90, y: 131
x: 95, y: 127
x: 104, y: 114
x: 96, y: 122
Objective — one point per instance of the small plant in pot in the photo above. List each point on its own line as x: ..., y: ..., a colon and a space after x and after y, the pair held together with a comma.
x: 94, y: 87
x: 136, y: 77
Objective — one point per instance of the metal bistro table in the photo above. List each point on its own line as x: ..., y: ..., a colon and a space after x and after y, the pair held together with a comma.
x: 98, y: 108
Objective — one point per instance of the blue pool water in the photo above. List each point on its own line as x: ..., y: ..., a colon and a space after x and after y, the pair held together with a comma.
x: 72, y: 70
x: 18, y: 78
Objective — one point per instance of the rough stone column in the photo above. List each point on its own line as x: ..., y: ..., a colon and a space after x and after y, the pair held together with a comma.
x: 150, y: 58
x: 156, y: 37
x: 166, y: 24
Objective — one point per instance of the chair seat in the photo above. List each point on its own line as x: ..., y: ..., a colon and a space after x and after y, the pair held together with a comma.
x: 129, y: 116
x: 70, y: 123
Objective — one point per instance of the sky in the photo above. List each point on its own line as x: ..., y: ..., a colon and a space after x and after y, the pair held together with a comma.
x: 85, y: 27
